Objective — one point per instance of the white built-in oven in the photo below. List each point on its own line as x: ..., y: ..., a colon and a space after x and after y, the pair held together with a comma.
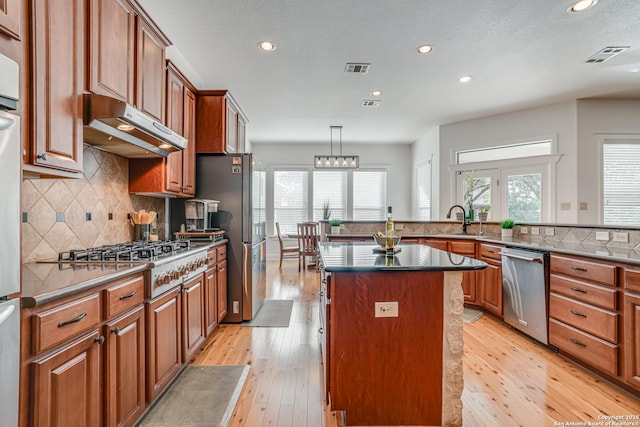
x: 10, y: 161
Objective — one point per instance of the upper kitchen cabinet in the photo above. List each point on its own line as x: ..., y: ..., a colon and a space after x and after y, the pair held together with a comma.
x: 127, y: 56
x: 57, y: 58
x: 10, y: 18
x: 220, y: 123
x: 174, y: 175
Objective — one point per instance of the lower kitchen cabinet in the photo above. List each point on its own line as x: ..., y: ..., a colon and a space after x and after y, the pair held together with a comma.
x: 221, y: 254
x: 211, y: 297
x: 67, y: 386
x: 631, y: 307
x: 164, y: 345
x: 125, y: 369
x: 465, y: 248
x: 490, y: 279
x: 193, y: 327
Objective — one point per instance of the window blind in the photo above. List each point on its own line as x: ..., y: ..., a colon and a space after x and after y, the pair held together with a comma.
x: 291, y: 195
x: 369, y: 195
x: 621, y: 183
x: 330, y: 186
x: 423, y: 187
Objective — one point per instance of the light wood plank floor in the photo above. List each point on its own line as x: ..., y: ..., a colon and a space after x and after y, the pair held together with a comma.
x: 509, y: 379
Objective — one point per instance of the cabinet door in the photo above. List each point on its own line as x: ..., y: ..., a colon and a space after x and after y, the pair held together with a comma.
x: 66, y: 385
x: 231, y: 124
x: 175, y: 113
x: 58, y: 79
x: 125, y: 363
x: 222, y: 290
x: 632, y: 339
x: 443, y: 245
x: 491, y: 286
x: 150, y: 65
x: 469, y: 286
x: 112, y: 48
x: 193, y: 332
x: 10, y: 18
x: 163, y: 342
x: 211, y: 299
x: 242, y: 129
x: 189, y: 154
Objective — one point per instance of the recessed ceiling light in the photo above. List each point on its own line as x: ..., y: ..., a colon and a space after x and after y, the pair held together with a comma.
x: 124, y: 127
x: 582, y: 5
x: 267, y: 46
x: 376, y: 92
x: 425, y: 48
x: 634, y: 70
x: 465, y: 79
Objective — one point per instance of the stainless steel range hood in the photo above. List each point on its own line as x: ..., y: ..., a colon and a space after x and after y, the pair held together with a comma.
x: 117, y: 127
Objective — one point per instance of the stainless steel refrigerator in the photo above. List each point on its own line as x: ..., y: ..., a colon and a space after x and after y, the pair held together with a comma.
x: 10, y: 161
x: 238, y: 182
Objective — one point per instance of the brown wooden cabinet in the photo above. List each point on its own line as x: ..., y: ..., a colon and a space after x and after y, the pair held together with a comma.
x: 164, y: 341
x: 193, y: 328
x: 631, y: 339
x: 220, y: 123
x: 150, y: 71
x: 175, y: 174
x: 464, y: 247
x: 10, y: 11
x: 490, y: 279
x: 211, y: 292
x: 222, y: 282
x: 57, y: 47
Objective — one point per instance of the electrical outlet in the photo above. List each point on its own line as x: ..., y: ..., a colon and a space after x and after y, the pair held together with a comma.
x: 621, y: 237
x: 549, y: 231
x: 399, y: 227
x: 386, y: 309
x: 535, y: 231
x: 236, y: 306
x: 524, y: 230
x: 565, y: 206
x: 341, y: 226
x: 583, y: 206
x: 602, y: 235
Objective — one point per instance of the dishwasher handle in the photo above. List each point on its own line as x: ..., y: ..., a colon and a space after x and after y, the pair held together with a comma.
x: 520, y: 257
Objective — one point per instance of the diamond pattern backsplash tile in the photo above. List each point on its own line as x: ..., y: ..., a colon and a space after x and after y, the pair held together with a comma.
x: 103, y: 190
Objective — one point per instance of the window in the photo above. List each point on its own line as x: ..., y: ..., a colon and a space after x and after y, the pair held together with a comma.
x: 290, y: 205
x: 258, y: 186
x: 524, y: 197
x: 423, y: 192
x: 369, y: 195
x: 621, y: 183
x: 330, y: 187
x: 513, y: 151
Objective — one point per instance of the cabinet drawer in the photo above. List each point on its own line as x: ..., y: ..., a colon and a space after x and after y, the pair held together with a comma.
x: 593, y: 351
x: 58, y: 324
x: 582, y: 291
x: 463, y: 247
x: 632, y: 280
x: 582, y: 269
x: 602, y: 323
x: 123, y: 295
x: 211, y: 257
x: 221, y: 252
x: 490, y: 251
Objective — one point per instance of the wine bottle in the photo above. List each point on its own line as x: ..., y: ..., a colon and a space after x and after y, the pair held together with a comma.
x: 389, y: 229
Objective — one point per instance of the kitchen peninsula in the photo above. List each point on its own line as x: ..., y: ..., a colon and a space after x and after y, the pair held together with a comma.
x: 393, y: 333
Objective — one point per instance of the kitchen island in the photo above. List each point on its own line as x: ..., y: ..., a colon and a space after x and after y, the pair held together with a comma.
x: 393, y: 341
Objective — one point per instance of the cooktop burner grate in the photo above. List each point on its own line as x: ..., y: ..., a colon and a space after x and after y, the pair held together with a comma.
x: 128, y: 251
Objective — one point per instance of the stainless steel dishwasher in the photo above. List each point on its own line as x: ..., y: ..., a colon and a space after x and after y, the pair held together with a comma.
x: 525, y: 275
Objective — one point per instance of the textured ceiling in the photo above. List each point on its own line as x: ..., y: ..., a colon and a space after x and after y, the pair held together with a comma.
x: 521, y: 55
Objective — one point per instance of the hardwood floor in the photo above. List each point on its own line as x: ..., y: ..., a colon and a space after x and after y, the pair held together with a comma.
x: 509, y: 379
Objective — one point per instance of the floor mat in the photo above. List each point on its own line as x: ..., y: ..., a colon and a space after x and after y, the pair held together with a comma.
x: 470, y: 315
x: 203, y: 396
x: 273, y: 313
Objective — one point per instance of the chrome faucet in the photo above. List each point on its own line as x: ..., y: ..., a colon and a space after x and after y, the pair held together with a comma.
x: 465, y: 222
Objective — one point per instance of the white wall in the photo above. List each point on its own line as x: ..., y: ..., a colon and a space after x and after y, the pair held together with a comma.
x: 597, y: 117
x: 558, y: 119
x: 427, y: 149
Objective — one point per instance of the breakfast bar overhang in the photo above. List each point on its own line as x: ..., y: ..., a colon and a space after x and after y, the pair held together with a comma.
x: 393, y: 340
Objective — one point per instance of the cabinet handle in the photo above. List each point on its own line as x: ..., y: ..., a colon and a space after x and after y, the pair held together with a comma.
x: 577, y: 313
x: 328, y: 301
x: 129, y: 295
x: 43, y: 156
x: 115, y: 330
x: 221, y: 269
x: 321, y: 331
x: 321, y: 293
x: 99, y: 340
x: 491, y: 251
x: 578, y: 290
x: 74, y: 320
x: 574, y: 267
x: 576, y: 342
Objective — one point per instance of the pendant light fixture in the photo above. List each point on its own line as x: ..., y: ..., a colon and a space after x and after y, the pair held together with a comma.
x: 336, y: 161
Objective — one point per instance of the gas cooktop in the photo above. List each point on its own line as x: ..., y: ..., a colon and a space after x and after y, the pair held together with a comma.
x: 126, y: 252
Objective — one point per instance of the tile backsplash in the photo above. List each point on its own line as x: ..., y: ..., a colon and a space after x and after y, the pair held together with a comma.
x: 63, y: 214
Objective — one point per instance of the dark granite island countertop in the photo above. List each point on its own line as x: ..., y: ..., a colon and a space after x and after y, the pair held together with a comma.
x: 362, y: 256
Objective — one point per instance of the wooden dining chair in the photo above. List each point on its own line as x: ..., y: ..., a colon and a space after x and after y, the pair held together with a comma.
x: 307, y: 240
x: 287, y: 251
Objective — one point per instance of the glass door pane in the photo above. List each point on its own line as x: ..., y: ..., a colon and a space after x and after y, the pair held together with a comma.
x: 524, y: 197
x: 477, y: 190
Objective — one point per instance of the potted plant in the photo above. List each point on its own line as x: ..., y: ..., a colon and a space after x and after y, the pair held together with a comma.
x: 483, y: 213
x: 326, y: 211
x: 507, y: 227
x: 335, y: 226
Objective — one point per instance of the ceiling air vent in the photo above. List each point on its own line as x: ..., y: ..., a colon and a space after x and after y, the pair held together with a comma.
x: 357, y: 68
x: 370, y: 103
x: 605, y: 54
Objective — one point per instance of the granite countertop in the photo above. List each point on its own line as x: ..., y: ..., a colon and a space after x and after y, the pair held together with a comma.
x: 360, y: 257
x: 45, y: 282
x: 607, y: 253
